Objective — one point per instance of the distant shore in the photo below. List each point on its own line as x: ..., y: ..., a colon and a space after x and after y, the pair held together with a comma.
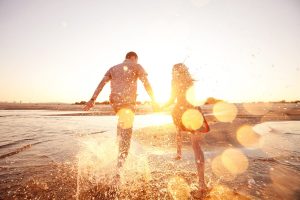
x: 96, y: 110
x: 290, y: 110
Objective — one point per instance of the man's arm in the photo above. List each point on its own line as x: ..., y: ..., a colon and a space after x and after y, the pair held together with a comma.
x: 99, y: 88
x: 101, y: 85
x: 142, y: 75
x: 149, y: 90
x: 148, y: 87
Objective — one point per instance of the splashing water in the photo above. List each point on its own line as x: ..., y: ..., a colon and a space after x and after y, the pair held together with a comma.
x: 97, y: 170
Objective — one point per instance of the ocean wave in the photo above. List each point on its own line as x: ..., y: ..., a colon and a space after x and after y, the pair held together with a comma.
x: 18, y: 150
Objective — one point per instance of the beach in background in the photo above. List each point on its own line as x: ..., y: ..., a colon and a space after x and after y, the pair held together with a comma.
x: 57, y: 151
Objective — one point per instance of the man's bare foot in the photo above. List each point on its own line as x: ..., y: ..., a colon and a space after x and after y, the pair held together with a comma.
x: 201, y: 193
x: 116, y: 179
x: 178, y: 157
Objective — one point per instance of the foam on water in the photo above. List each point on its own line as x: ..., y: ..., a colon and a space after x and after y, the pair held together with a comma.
x: 280, y: 127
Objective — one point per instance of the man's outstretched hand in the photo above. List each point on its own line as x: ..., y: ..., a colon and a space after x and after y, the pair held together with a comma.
x: 89, y: 105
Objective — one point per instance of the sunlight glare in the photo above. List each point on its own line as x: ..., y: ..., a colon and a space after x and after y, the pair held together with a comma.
x: 126, y: 118
x: 192, y: 119
x: 225, y: 112
x: 193, y: 97
x: 247, y: 137
x: 178, y: 188
x: 220, y: 170
x: 235, y: 161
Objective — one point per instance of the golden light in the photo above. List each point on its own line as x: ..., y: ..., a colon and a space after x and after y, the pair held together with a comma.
x: 136, y: 166
x: 192, y: 119
x: 225, y: 112
x: 125, y: 68
x: 178, y: 188
x: 220, y: 170
x: 192, y: 96
x: 235, y: 161
x: 222, y: 192
x: 247, y: 137
x: 126, y: 118
x: 96, y: 158
x: 257, y: 108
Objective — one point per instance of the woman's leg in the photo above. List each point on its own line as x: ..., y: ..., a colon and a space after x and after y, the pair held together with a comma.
x: 179, y: 144
x: 199, y: 159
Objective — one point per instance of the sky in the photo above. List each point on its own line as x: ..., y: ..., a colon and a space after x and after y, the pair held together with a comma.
x: 237, y: 50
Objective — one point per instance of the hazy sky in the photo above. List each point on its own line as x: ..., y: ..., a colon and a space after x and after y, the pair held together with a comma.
x: 238, y: 50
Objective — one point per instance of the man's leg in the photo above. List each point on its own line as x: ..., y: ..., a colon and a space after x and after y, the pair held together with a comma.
x: 124, y: 132
x: 124, y: 137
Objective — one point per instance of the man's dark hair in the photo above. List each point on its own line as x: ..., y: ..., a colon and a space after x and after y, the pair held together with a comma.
x: 130, y: 54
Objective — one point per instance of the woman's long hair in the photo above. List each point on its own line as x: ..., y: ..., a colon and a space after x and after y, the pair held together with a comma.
x: 181, y: 77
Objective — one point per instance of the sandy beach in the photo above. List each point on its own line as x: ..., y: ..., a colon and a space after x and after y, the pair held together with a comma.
x: 67, y: 154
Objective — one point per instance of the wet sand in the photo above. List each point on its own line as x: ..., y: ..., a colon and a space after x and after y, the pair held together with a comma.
x: 152, y: 173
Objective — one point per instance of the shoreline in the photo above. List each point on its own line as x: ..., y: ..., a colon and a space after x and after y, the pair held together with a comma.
x: 281, y: 110
x: 150, y: 166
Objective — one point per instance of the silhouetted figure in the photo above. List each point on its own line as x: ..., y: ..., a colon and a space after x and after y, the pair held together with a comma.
x: 181, y: 82
x: 123, y: 83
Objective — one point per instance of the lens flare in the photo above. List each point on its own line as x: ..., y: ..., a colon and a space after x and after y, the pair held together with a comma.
x: 225, y: 112
x: 257, y: 108
x: 235, y: 161
x: 247, y: 137
x: 192, y: 119
x: 126, y: 118
x: 178, y: 188
x: 125, y: 68
x: 220, y: 170
x: 192, y: 97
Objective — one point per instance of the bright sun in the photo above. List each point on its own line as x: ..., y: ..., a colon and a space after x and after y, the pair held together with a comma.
x: 162, y: 96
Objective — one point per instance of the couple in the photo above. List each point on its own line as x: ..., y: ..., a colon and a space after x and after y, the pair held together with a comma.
x: 123, y: 78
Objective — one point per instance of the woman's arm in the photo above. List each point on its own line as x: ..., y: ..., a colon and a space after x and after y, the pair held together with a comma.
x: 172, y: 98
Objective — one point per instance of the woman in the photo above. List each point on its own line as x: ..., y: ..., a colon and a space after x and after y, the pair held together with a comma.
x: 181, y: 82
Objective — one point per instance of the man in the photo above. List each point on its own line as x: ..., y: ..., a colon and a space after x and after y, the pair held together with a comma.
x: 123, y: 78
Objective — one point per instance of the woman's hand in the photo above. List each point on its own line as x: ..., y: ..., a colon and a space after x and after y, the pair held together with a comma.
x: 89, y: 105
x: 204, y: 129
x: 155, y: 106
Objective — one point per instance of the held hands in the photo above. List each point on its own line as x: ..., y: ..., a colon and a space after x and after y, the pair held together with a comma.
x: 89, y: 105
x: 155, y: 107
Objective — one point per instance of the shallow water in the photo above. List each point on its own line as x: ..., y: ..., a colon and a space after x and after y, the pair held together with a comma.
x: 35, y: 137
x: 46, y: 155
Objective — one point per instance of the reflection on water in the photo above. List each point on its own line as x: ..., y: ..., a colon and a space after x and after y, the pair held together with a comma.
x: 69, y: 157
x: 279, y: 138
x: 85, y: 145
x: 44, y: 135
